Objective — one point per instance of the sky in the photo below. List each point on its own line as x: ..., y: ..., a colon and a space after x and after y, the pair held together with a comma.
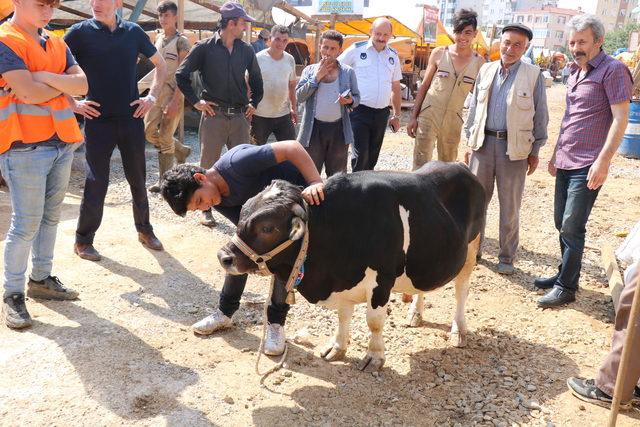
x: 588, y: 6
x: 409, y: 14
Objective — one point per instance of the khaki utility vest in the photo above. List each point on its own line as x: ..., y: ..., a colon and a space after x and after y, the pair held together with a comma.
x: 520, y: 109
x: 449, y: 89
x: 171, y: 58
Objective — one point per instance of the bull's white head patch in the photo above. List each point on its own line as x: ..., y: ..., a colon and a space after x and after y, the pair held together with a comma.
x: 273, y: 192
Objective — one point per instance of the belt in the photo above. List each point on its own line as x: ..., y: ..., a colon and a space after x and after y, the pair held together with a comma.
x: 498, y: 134
x: 229, y: 110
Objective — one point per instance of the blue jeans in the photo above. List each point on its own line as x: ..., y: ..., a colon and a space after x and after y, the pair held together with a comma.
x: 37, y: 177
x: 572, y: 206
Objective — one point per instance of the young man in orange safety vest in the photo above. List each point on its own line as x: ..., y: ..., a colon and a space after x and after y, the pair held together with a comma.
x: 38, y: 134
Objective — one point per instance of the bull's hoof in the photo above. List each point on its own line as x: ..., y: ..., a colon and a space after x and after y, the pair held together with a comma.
x: 371, y: 363
x: 333, y: 353
x: 414, y: 319
x: 458, y: 339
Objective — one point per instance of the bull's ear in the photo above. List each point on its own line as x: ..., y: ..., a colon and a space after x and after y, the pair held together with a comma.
x: 299, y: 211
x: 297, y: 228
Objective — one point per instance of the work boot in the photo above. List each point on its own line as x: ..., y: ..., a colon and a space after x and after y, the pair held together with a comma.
x: 165, y: 162
x: 150, y: 241
x: 182, y: 151
x: 14, y: 311
x: 86, y: 251
x: 556, y: 297
x: 50, y: 288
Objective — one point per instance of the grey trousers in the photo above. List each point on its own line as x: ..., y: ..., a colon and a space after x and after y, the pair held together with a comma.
x: 491, y: 164
x: 606, y: 379
x: 218, y: 131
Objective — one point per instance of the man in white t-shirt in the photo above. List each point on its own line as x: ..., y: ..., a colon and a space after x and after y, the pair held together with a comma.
x: 277, y: 112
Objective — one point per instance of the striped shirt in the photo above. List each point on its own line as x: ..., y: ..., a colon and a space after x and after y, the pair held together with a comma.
x: 588, y: 116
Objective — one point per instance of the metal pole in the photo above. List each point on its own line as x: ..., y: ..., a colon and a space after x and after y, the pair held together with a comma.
x: 316, y: 42
x: 137, y: 10
x: 180, y: 30
x: 626, y: 352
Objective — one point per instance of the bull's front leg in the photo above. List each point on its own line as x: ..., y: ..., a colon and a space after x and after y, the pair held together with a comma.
x: 414, y: 315
x: 337, y: 349
x: 377, y: 297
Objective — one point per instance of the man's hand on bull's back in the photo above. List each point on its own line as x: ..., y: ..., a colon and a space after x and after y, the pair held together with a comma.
x: 314, y: 193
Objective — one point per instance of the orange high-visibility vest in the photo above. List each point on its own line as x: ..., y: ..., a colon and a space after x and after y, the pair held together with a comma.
x: 30, y: 123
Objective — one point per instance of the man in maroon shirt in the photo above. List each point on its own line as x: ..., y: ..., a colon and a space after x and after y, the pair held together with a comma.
x: 598, y: 95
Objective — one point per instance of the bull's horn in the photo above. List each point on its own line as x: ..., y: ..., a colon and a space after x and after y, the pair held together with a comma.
x: 299, y: 211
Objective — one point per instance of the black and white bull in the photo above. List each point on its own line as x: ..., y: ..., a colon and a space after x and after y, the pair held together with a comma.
x: 375, y: 232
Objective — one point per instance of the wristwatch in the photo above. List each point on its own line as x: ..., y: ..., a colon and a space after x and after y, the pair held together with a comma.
x: 152, y: 98
x: 395, y: 116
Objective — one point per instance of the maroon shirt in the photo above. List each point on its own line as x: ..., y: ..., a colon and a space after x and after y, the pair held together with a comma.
x: 588, y: 116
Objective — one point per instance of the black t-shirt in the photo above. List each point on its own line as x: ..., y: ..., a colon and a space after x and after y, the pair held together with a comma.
x: 109, y: 60
x: 248, y: 169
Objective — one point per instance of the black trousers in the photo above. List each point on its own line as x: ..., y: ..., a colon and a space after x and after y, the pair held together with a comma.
x: 263, y: 127
x: 368, y: 125
x: 102, y: 137
x: 234, y: 285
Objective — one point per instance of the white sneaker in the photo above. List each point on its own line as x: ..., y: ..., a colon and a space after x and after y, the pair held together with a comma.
x: 212, y: 323
x: 275, y: 341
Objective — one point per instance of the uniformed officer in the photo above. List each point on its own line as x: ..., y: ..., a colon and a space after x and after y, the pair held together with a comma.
x: 378, y: 70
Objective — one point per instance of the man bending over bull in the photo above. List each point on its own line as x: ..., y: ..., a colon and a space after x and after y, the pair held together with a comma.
x: 238, y: 175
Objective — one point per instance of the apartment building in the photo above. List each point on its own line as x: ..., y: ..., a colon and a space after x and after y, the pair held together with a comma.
x: 548, y: 25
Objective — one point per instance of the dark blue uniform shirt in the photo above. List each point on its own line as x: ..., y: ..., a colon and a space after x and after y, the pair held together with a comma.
x: 109, y: 60
x: 248, y: 169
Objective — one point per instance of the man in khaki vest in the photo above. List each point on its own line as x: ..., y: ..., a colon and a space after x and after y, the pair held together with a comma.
x: 450, y: 75
x: 162, y: 120
x: 506, y: 127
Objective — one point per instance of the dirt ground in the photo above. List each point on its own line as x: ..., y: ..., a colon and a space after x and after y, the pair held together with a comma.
x: 124, y: 353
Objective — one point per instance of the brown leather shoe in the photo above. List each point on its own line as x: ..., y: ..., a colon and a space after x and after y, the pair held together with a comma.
x: 86, y: 251
x: 150, y: 241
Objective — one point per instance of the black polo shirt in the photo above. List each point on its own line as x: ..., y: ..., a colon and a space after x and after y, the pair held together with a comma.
x: 109, y: 61
x: 222, y: 72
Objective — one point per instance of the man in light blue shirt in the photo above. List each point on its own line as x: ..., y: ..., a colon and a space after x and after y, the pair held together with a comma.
x: 329, y: 90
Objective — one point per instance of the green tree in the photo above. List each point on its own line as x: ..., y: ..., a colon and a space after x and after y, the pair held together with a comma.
x: 619, y: 38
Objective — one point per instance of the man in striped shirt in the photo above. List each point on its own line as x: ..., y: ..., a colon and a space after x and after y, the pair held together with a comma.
x: 598, y: 94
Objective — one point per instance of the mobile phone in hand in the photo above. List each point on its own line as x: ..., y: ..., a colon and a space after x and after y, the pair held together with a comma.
x: 345, y: 94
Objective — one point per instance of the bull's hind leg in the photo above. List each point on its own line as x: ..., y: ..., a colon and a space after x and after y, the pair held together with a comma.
x: 337, y: 349
x: 414, y: 315
x: 459, y: 325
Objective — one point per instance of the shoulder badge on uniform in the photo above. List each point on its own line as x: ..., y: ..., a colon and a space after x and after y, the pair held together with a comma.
x: 391, y: 60
x: 363, y: 55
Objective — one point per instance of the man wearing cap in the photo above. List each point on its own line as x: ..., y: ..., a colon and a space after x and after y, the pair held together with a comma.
x: 261, y: 43
x: 378, y: 70
x: 222, y: 61
x: 506, y: 127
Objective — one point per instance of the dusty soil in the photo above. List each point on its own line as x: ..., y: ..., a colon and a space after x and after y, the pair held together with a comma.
x: 124, y: 354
